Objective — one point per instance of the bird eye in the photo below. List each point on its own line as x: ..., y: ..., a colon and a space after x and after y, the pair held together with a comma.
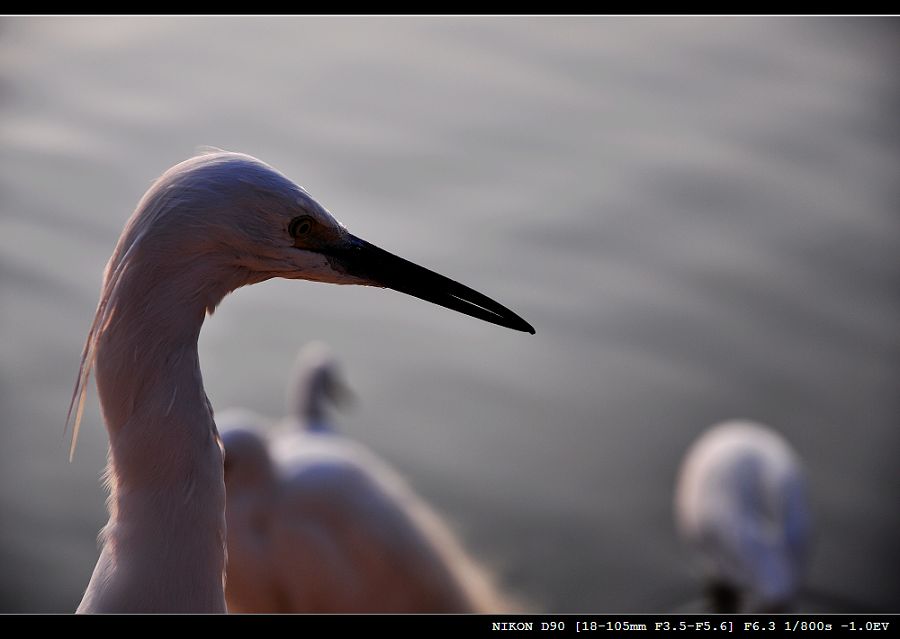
x: 300, y: 226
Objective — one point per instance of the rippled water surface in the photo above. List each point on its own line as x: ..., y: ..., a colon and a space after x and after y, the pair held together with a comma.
x: 699, y: 216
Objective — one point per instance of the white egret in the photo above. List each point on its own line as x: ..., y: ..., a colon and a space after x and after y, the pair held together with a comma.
x: 319, y: 523
x: 207, y: 226
x: 741, y: 503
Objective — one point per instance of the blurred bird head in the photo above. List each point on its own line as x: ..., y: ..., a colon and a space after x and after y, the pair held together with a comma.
x: 317, y: 381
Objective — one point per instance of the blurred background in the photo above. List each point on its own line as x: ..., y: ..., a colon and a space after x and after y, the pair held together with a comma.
x: 698, y: 215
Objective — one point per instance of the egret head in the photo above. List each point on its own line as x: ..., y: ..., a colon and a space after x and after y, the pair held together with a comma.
x: 237, y: 212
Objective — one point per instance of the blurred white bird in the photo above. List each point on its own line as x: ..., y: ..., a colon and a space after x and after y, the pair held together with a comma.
x: 741, y: 502
x: 318, y: 523
x: 208, y: 226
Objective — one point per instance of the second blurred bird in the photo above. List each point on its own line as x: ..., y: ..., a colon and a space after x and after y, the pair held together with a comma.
x: 741, y: 502
x: 318, y: 523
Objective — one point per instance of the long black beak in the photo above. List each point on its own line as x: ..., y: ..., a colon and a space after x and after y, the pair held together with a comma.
x: 380, y: 268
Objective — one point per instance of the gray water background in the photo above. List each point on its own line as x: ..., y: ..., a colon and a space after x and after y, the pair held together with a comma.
x: 698, y: 215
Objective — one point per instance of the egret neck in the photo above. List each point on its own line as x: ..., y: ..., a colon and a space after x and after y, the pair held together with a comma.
x: 167, y: 492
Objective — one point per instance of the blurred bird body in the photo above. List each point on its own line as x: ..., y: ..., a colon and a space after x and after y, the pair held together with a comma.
x: 318, y: 523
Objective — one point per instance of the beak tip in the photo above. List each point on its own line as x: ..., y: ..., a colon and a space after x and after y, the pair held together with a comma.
x: 521, y: 325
